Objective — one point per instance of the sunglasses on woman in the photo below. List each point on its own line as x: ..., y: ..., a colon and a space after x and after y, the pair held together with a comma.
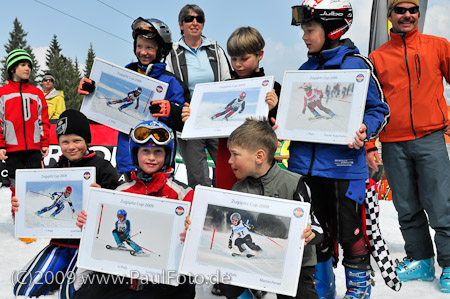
x: 403, y: 10
x: 189, y: 19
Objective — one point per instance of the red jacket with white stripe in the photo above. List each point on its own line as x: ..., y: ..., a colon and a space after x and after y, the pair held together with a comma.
x: 24, y: 121
x: 160, y: 185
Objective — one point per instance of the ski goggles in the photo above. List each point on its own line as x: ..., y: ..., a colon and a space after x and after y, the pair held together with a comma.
x: 143, y: 27
x: 302, y: 14
x: 402, y: 10
x: 159, y: 135
x: 189, y: 19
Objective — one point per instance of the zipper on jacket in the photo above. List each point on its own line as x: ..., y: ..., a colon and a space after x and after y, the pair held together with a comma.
x: 23, y: 116
x: 418, y: 69
x: 442, y: 112
x: 410, y: 93
x: 312, y: 159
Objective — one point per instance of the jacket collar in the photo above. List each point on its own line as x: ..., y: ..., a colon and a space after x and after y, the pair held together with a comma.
x: 266, y: 178
x: 52, y: 93
x: 152, y: 184
x: 397, y: 38
x: 16, y: 85
x: 331, y: 57
x: 261, y: 73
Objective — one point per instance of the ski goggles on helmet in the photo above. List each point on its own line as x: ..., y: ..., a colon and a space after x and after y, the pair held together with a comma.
x: 143, y: 27
x: 302, y: 14
x: 159, y: 135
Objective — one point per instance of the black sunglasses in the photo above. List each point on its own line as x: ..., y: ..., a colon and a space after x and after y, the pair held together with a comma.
x: 189, y: 19
x: 403, y: 10
x: 45, y: 80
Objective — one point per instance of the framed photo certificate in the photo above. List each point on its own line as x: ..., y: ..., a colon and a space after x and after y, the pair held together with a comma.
x: 252, y: 241
x: 322, y: 106
x: 132, y: 235
x: 50, y: 200
x: 220, y: 107
x: 122, y: 97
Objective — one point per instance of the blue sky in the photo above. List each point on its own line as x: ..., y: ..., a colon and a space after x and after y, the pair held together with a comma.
x: 284, y: 48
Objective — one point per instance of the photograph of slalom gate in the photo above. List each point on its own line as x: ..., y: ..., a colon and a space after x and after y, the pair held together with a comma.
x: 219, y: 108
x: 247, y: 239
x: 122, y: 98
x: 322, y: 106
x: 253, y: 239
x: 132, y: 235
x: 51, y: 200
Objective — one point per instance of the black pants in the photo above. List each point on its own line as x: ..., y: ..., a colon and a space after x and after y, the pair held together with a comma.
x: 22, y: 160
x: 306, y: 289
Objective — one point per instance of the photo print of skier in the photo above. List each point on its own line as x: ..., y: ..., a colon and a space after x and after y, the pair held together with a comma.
x: 313, y: 99
x: 59, y: 199
x: 242, y: 231
x: 121, y: 234
x: 128, y: 100
x: 232, y: 107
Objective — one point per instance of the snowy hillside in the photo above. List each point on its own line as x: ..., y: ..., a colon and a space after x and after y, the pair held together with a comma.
x: 15, y: 254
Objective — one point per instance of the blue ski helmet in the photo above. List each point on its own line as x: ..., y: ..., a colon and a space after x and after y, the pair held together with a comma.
x: 153, y: 133
x: 138, y: 89
x: 122, y: 213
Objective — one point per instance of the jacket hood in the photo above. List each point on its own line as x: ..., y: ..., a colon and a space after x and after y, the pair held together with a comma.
x: 53, y: 94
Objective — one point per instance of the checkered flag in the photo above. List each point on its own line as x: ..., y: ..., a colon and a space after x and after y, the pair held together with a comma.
x: 378, y: 247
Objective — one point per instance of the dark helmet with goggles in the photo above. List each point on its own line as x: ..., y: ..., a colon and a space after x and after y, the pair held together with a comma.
x: 153, y: 29
x: 336, y: 16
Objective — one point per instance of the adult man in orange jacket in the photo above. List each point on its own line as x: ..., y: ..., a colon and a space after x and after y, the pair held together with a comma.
x: 411, y: 67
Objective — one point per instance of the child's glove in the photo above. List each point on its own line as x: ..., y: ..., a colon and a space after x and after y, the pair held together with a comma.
x: 86, y: 86
x: 73, y: 210
x: 137, y: 106
x: 229, y: 244
x: 251, y: 227
x: 160, y: 108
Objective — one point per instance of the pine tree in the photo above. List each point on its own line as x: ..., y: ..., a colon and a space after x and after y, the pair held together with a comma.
x: 17, y: 41
x: 56, y: 64
x: 89, y: 61
x: 73, y: 99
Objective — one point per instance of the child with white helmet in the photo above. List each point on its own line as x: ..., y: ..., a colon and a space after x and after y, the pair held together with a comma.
x: 337, y: 173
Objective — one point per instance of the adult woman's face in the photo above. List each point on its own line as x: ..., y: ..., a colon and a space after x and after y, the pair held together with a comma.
x: 192, y: 28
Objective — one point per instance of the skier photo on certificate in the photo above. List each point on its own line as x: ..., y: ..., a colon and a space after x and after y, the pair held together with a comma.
x: 121, y: 234
x: 232, y: 107
x: 313, y: 99
x: 59, y: 199
x: 128, y: 100
x: 242, y: 230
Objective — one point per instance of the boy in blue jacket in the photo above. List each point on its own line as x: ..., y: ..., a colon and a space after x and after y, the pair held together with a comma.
x: 336, y: 173
x: 152, y: 42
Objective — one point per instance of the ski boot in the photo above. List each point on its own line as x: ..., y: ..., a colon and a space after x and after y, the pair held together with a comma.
x: 108, y: 103
x: 445, y: 280
x: 121, y: 246
x: 324, y: 280
x: 213, y: 117
x: 410, y: 269
x: 359, y: 284
x: 38, y: 213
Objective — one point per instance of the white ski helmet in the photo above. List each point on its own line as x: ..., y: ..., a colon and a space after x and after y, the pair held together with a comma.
x: 235, y: 216
x: 153, y: 29
x: 336, y: 16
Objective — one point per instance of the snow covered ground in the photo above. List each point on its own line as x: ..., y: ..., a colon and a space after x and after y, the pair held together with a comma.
x: 14, y: 254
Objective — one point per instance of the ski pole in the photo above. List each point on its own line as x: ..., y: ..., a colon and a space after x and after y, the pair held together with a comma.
x: 41, y: 194
x: 258, y: 233
x: 135, y: 234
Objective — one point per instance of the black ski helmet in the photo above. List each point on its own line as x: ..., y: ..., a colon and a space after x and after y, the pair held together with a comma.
x: 153, y: 29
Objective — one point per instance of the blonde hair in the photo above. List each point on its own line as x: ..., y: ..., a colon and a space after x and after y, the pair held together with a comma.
x: 253, y: 135
x: 245, y: 40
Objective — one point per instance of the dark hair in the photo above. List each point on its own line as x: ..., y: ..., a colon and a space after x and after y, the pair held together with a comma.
x: 262, y: 137
x: 185, y: 10
x: 245, y: 40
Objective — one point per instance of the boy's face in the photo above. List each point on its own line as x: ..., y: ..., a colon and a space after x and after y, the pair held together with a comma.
x: 146, y: 50
x: 151, y: 159
x: 22, y: 72
x: 72, y: 146
x: 242, y: 162
x: 246, y: 64
x: 313, y: 36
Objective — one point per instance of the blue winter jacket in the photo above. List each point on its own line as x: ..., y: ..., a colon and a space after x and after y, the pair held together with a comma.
x: 339, y: 161
x: 177, y: 94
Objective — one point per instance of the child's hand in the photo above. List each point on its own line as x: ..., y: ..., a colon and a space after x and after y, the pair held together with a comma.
x: 95, y: 185
x: 3, y: 155
x: 44, y: 151
x: 187, y: 223
x: 15, y: 203
x: 81, y: 218
x: 274, y: 122
x: 271, y: 99
x: 372, y: 158
x: 308, y: 234
x: 361, y: 135
x: 185, y: 112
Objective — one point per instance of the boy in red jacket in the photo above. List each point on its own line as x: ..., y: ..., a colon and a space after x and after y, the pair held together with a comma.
x: 24, y: 125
